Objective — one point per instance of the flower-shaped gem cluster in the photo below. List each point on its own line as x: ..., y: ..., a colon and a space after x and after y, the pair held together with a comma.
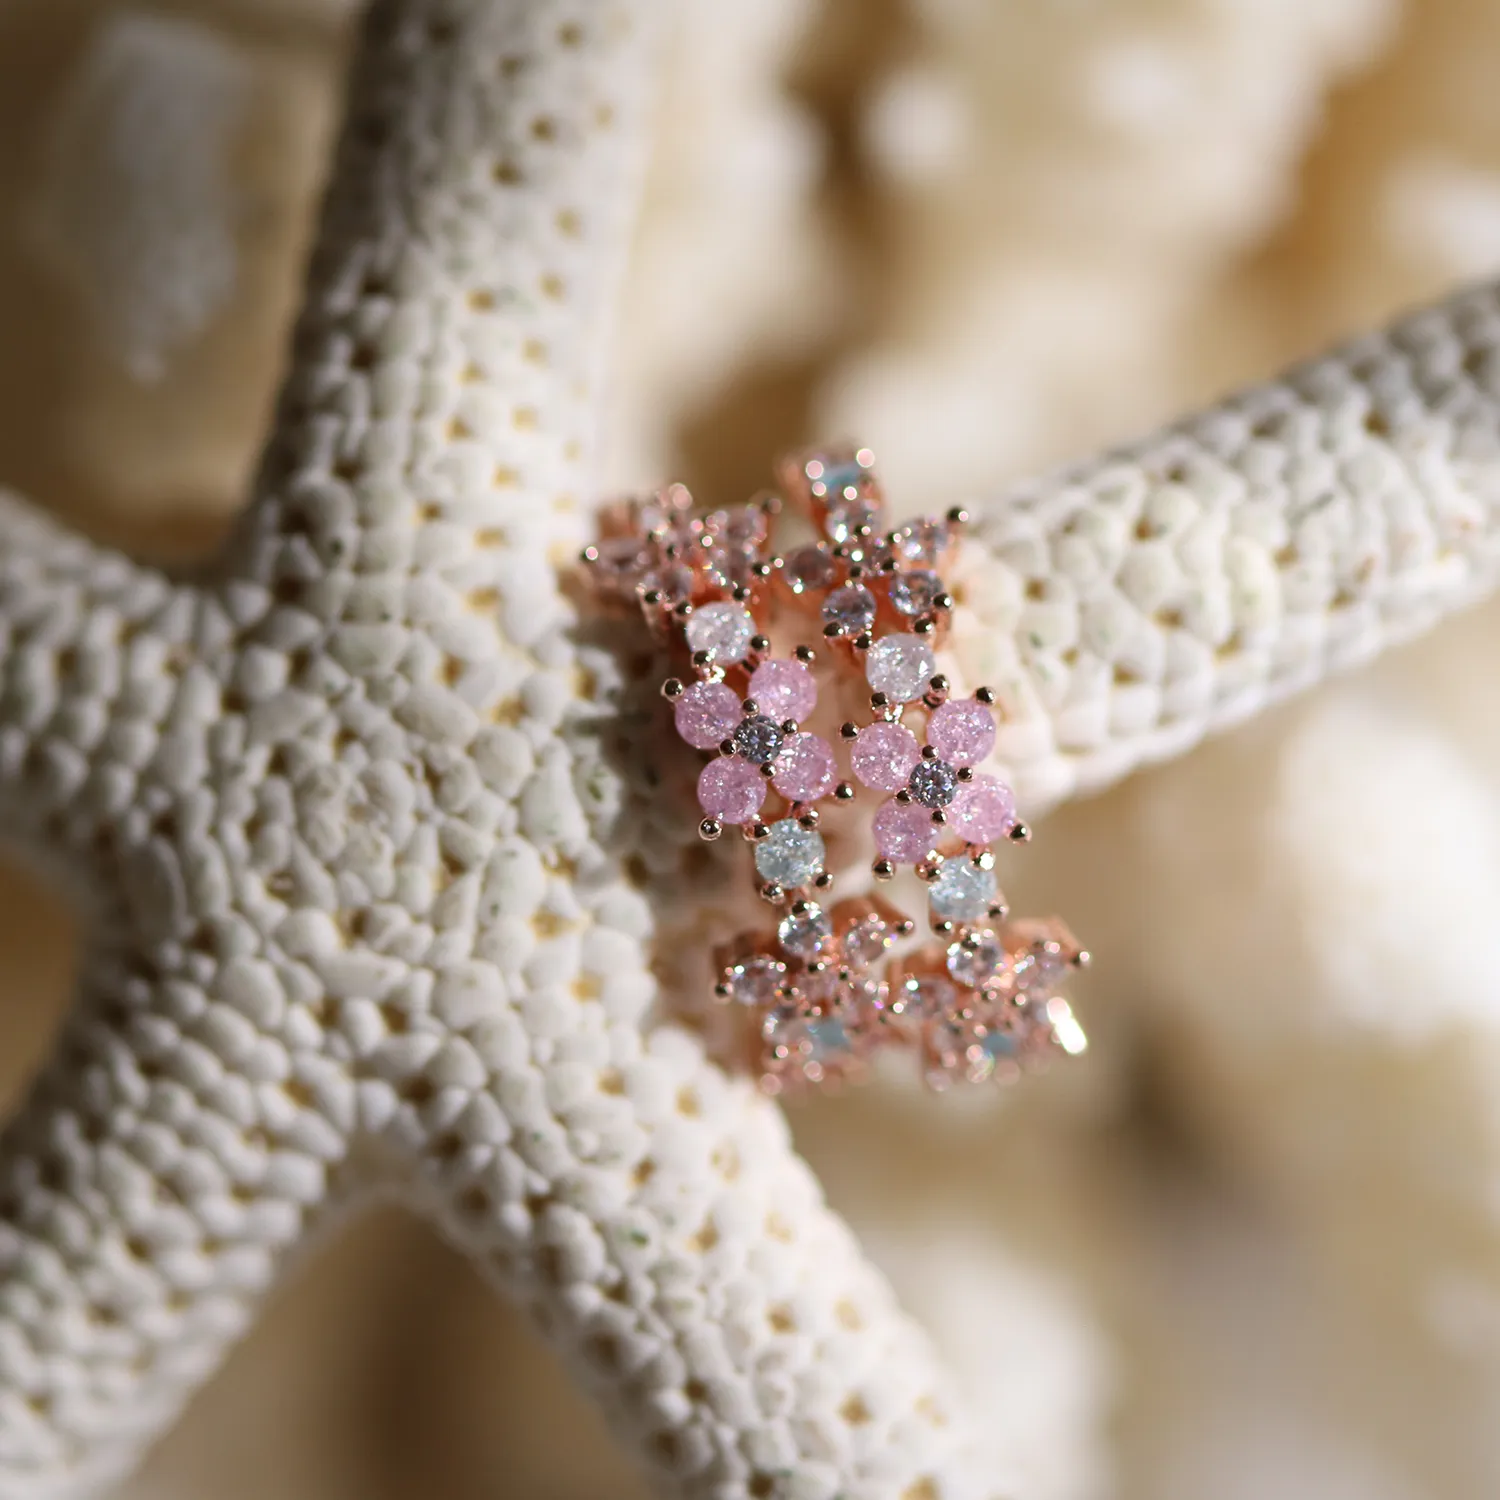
x: 830, y: 983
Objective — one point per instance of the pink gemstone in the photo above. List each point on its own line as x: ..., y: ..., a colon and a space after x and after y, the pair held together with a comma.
x: 904, y: 832
x: 806, y: 768
x: 731, y: 789
x: 706, y: 713
x: 962, y: 731
x: 883, y: 756
x: 985, y: 809
x: 783, y: 689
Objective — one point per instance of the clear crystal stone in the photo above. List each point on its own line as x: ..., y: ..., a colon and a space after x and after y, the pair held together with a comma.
x: 755, y: 982
x: 934, y: 783
x: 846, y: 519
x: 867, y: 940
x: 724, y: 630
x: 921, y: 543
x: 976, y: 960
x: 900, y: 666
x: 914, y: 593
x: 757, y: 739
x: 789, y: 855
x: 809, y: 568
x: 850, y: 609
x: 962, y: 892
x: 803, y: 933
x: 673, y: 582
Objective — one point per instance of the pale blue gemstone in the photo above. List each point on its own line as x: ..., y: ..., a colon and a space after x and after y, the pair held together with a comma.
x: 828, y: 1038
x: 962, y: 891
x: 789, y: 855
x: 844, y: 476
x: 999, y: 1045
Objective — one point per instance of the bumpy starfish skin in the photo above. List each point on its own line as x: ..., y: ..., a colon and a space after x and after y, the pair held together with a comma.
x: 359, y: 844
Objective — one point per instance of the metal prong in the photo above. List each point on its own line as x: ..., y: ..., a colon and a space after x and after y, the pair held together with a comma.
x: 673, y: 687
x: 848, y: 729
x: 806, y: 655
x: 883, y: 869
x: 984, y: 695
x: 1020, y: 833
x: 710, y: 828
x: 844, y: 791
x: 965, y: 773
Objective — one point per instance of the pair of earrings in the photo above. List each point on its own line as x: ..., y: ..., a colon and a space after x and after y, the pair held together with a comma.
x: 830, y: 982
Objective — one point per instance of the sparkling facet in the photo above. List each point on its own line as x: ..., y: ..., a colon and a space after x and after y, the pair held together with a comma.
x: 723, y: 629
x: 1040, y: 969
x: 983, y: 810
x: 900, y: 666
x: 883, y: 756
x: 922, y: 542
x: 976, y: 961
x: 962, y: 731
x: 790, y: 855
x: 757, y: 981
x: 732, y: 567
x: 913, y: 593
x: 846, y: 519
x: 866, y: 941
x: 743, y: 526
x: 904, y: 832
x: 803, y: 933
x: 806, y: 769
x: 706, y: 714
x: 929, y: 995
x: 810, y: 568
x: 851, y: 609
x: 933, y: 783
x: 962, y: 891
x: 731, y: 789
x: 784, y: 689
x: 758, y: 739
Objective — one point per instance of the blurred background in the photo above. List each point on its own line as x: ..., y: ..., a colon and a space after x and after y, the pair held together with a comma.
x: 1251, y: 1247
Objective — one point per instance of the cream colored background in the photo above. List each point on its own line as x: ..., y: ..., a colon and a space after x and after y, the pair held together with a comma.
x: 982, y: 237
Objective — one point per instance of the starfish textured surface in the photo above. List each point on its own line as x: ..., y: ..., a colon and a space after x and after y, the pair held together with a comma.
x: 357, y: 856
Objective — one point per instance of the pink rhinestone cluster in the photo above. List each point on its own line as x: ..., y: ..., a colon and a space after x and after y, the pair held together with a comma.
x: 833, y: 981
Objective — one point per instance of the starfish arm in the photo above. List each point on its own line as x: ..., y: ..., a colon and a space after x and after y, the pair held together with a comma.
x: 442, y: 394
x: 84, y: 652
x: 1127, y: 606
x: 162, y: 1166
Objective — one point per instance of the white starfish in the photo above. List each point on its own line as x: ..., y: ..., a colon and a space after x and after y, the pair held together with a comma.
x: 354, y: 851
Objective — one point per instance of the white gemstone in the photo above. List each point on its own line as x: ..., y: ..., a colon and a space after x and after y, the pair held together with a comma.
x: 900, y: 666
x: 962, y: 891
x: 724, y: 630
x: 789, y: 855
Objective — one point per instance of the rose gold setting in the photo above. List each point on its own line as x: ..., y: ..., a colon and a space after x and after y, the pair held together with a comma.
x: 829, y: 982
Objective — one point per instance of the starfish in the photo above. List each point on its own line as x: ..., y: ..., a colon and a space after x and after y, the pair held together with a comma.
x: 365, y: 915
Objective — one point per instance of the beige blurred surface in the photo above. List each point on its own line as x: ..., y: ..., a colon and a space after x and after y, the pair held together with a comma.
x: 384, y: 1369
